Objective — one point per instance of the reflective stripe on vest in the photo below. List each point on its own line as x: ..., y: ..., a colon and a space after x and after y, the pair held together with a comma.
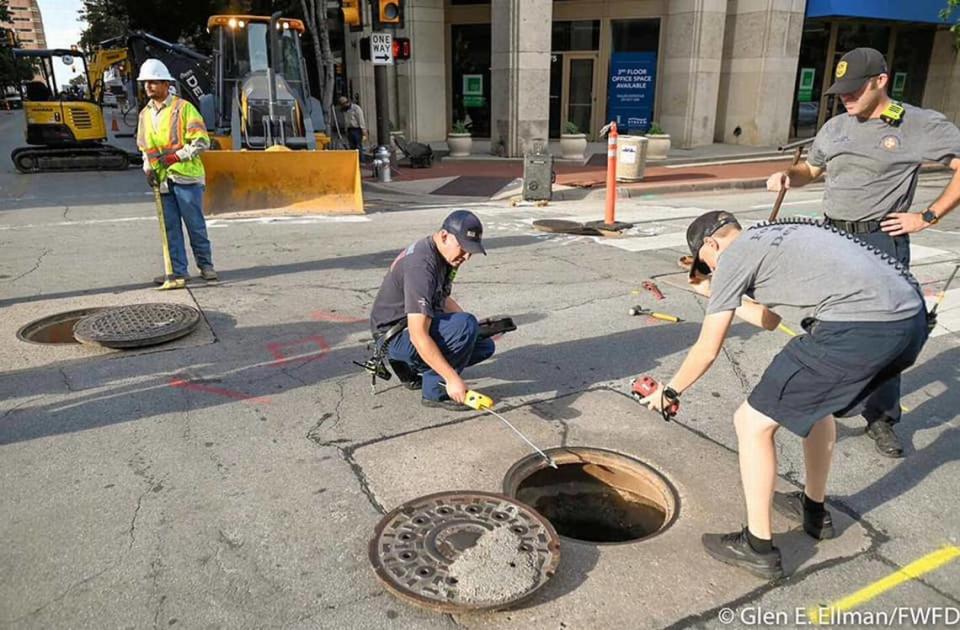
x: 168, y: 136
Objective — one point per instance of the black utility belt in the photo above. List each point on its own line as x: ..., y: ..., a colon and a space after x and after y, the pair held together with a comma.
x: 855, y: 227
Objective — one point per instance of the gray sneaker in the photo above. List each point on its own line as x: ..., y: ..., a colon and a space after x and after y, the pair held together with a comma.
x: 209, y: 274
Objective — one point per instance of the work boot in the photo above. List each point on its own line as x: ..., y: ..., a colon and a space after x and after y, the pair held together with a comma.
x: 415, y: 384
x: 444, y: 403
x: 209, y: 274
x: 162, y: 279
x: 790, y: 504
x: 176, y: 283
x: 735, y: 549
x: 887, y: 442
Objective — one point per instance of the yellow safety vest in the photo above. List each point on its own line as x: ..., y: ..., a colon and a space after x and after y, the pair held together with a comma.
x: 178, y: 124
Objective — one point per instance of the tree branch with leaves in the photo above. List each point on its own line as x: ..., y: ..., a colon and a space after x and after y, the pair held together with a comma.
x: 951, y: 13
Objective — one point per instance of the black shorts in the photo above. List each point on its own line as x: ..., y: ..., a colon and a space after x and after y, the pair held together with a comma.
x: 834, y: 368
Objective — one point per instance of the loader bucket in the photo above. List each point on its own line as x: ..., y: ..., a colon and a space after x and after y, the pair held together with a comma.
x: 282, y: 182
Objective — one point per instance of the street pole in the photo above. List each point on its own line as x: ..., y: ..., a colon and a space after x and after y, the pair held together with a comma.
x: 382, y: 154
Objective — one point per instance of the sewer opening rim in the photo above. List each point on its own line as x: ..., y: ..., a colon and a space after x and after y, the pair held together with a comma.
x: 57, y: 319
x: 531, y: 464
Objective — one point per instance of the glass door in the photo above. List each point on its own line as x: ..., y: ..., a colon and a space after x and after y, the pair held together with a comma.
x: 579, y: 72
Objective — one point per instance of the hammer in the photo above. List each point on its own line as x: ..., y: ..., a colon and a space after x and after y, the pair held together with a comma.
x: 798, y: 145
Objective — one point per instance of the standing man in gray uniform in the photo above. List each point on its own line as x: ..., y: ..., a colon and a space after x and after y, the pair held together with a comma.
x: 872, y: 157
x: 861, y: 335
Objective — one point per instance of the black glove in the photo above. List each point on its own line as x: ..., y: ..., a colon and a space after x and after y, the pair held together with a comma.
x: 152, y: 180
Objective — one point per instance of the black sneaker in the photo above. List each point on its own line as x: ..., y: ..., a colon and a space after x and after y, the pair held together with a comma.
x: 735, y: 549
x: 415, y: 384
x: 887, y: 442
x: 790, y: 504
x: 444, y: 403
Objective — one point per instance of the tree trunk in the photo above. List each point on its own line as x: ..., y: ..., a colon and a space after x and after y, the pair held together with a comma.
x: 326, y: 88
x: 310, y: 15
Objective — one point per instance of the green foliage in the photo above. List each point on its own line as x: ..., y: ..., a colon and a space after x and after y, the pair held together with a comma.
x: 570, y: 128
x: 655, y: 129
x: 952, y: 13
x: 183, y: 21
x: 460, y: 126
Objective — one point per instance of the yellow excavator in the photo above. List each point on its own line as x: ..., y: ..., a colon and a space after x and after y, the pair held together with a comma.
x: 267, y: 142
x: 65, y: 126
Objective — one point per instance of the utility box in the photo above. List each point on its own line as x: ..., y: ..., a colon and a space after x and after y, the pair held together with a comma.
x: 631, y: 158
x: 538, y: 173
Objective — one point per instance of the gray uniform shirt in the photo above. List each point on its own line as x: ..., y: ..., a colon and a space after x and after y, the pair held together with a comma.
x: 418, y: 282
x: 818, y: 272
x: 872, y: 167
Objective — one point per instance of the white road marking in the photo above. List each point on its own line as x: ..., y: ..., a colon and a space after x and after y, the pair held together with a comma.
x: 920, y: 252
x: 764, y: 206
x: 298, y: 220
x: 948, y: 315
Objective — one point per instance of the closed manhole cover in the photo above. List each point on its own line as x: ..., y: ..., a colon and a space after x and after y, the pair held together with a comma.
x: 137, y: 325
x: 595, y: 495
x: 465, y: 550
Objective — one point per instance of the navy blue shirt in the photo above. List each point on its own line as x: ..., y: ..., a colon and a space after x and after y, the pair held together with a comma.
x: 418, y: 282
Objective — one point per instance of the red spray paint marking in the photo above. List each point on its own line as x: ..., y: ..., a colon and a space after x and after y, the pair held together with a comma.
x: 219, y: 391
x: 330, y: 316
x: 276, y: 348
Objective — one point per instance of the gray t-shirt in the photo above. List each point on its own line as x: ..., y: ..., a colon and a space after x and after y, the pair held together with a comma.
x: 419, y: 281
x: 817, y: 271
x: 872, y: 167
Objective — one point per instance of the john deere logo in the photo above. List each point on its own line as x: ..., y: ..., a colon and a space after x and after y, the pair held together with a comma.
x: 841, y: 69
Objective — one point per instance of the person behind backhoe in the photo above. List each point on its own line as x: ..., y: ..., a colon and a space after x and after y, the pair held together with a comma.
x: 862, y: 333
x: 171, y: 135
x: 440, y: 339
x: 354, y: 122
x: 871, y: 157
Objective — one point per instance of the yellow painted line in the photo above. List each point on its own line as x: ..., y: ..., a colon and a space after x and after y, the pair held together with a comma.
x: 783, y: 327
x: 915, y: 569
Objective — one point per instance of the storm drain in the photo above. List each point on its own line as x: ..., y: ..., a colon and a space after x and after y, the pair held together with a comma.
x: 465, y: 550
x: 595, y: 495
x: 55, y: 329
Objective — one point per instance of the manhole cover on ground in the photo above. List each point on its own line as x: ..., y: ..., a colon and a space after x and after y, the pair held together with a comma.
x: 464, y: 550
x: 55, y: 329
x: 562, y: 226
x: 137, y: 325
x: 595, y: 495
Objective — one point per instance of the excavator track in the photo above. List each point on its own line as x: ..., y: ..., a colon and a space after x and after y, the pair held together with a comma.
x: 48, y: 160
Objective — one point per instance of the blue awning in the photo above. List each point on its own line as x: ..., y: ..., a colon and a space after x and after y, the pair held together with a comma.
x: 899, y: 10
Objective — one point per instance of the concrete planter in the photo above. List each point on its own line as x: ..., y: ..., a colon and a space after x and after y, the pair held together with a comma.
x: 573, y: 146
x: 658, y: 145
x: 460, y: 144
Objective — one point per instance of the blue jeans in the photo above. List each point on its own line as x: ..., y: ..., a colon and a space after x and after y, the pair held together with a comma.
x: 184, y: 203
x: 885, y: 401
x: 456, y: 336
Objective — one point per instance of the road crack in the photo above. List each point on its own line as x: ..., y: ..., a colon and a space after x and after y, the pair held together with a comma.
x: 36, y: 266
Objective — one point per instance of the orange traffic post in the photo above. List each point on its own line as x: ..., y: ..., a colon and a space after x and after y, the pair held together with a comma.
x: 610, y: 211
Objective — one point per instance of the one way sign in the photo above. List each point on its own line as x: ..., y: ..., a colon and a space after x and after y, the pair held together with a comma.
x: 381, y: 49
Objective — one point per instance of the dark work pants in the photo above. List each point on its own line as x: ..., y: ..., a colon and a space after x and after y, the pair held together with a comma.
x: 456, y: 336
x: 885, y: 401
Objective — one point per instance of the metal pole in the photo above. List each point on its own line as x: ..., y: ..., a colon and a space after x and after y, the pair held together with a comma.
x: 383, y: 104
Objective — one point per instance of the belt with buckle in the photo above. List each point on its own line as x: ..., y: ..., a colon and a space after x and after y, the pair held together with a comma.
x: 855, y: 227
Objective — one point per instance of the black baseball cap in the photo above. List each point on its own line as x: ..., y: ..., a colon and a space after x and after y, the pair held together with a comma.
x: 703, y: 226
x: 855, y: 68
x: 467, y: 228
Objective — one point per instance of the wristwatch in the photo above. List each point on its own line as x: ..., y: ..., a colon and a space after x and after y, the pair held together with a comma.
x: 930, y: 216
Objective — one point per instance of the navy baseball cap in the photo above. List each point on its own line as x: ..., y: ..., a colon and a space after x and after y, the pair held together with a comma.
x: 467, y: 228
x: 856, y: 68
x: 703, y: 226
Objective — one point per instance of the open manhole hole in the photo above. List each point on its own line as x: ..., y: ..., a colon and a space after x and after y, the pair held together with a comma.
x: 595, y: 495
x: 55, y: 329
x: 464, y: 551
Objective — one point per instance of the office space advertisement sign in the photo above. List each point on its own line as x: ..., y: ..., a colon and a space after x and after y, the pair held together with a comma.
x: 630, y: 90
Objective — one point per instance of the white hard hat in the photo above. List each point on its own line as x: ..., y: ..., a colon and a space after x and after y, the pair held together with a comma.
x: 154, y: 70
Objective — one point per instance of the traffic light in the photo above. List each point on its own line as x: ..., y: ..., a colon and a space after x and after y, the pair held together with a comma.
x: 401, y: 48
x: 365, y: 49
x: 352, y: 13
x: 387, y: 13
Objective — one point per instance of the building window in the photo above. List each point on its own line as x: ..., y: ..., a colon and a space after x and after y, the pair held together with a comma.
x: 470, y: 73
x: 579, y: 35
x: 636, y: 35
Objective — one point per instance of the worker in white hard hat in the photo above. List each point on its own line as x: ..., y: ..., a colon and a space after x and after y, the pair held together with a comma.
x: 171, y: 135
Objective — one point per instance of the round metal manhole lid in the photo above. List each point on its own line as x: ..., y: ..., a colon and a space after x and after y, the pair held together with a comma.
x: 464, y: 551
x: 137, y: 325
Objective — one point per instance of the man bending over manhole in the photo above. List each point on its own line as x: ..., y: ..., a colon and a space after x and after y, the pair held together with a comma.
x: 440, y: 339
x: 861, y: 334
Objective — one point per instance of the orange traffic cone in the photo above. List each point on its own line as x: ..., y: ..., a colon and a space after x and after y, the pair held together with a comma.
x: 113, y: 125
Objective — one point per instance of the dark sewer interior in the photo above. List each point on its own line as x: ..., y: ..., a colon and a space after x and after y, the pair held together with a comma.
x: 57, y: 329
x: 582, y: 504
